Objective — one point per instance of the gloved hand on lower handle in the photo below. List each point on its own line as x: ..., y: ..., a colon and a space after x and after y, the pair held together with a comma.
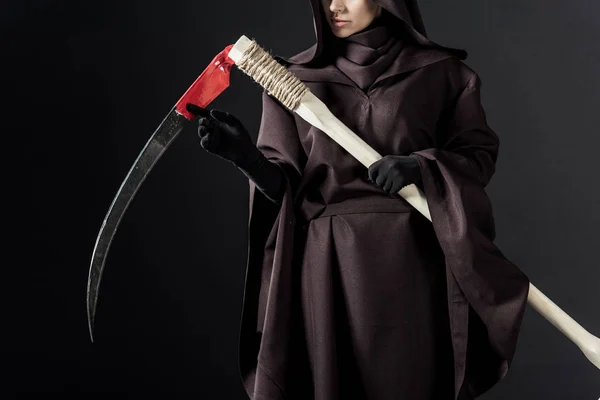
x: 225, y: 136
x: 391, y: 173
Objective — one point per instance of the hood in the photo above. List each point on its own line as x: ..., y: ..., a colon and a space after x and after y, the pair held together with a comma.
x: 408, y: 17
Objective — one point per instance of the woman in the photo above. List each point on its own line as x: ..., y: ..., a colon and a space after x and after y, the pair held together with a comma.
x: 350, y: 292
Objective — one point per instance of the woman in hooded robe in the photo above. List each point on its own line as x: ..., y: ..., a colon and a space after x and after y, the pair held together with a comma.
x: 351, y: 293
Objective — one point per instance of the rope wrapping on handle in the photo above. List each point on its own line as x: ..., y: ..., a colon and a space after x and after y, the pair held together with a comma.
x: 274, y: 77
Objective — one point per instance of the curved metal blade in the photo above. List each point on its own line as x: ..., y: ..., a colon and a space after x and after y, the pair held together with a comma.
x: 162, y: 138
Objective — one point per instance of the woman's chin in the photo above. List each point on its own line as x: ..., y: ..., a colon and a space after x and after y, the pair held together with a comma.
x: 341, y: 32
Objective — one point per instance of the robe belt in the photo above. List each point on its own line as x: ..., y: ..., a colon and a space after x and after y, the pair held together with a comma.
x: 374, y: 204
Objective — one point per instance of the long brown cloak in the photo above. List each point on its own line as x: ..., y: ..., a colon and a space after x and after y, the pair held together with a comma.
x: 351, y: 293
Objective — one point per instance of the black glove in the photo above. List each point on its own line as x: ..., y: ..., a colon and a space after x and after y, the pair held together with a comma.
x: 392, y: 173
x: 224, y: 135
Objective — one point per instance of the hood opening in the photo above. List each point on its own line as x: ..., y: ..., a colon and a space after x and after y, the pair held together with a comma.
x: 405, y: 13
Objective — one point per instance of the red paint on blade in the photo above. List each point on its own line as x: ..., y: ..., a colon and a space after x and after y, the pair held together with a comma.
x: 211, y: 83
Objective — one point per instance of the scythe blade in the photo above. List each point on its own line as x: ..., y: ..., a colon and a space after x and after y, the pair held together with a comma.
x: 212, y: 82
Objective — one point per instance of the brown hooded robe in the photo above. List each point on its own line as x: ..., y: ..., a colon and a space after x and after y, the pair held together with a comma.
x: 350, y: 293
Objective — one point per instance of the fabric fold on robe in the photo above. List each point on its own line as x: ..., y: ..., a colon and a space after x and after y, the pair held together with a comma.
x: 268, y: 351
x: 364, y: 56
x: 479, y: 277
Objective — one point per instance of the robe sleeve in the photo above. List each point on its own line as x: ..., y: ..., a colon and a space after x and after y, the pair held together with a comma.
x: 265, y: 360
x: 487, y: 294
x: 464, y: 139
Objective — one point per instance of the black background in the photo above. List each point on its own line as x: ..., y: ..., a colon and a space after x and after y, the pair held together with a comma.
x: 85, y: 84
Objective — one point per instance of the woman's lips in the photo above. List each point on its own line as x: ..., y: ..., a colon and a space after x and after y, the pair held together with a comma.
x: 339, y: 23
